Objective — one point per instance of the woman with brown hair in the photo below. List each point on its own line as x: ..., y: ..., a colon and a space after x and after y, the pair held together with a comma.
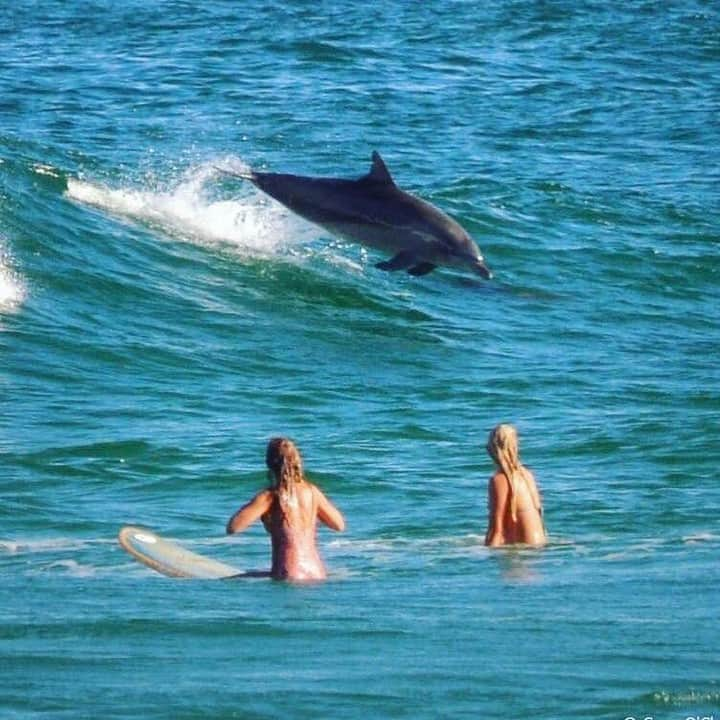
x: 514, y: 505
x: 290, y: 509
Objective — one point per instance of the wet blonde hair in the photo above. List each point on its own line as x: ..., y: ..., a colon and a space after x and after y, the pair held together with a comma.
x: 285, y: 465
x: 502, y: 446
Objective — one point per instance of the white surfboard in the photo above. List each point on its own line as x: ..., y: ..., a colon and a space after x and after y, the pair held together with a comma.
x: 168, y: 558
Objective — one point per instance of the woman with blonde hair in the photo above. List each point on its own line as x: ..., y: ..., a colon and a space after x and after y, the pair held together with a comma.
x: 289, y: 509
x: 514, y: 505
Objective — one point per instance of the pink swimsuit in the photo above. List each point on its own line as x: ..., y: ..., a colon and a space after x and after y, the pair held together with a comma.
x: 294, y: 548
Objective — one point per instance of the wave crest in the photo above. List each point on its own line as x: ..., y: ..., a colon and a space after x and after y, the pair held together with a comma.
x: 251, y: 222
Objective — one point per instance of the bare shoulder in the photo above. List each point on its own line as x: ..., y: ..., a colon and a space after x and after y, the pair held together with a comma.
x: 306, y: 490
x: 499, y: 481
x: 327, y: 512
x: 314, y: 488
x: 265, y: 495
x: 322, y: 499
x: 318, y: 495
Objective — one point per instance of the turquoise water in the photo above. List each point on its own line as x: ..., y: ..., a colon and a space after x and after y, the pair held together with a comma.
x: 158, y: 323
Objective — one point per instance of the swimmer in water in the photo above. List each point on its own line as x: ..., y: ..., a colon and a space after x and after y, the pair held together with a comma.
x: 515, y: 513
x: 290, y: 509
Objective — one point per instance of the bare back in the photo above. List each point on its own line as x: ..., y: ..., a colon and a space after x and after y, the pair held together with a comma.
x: 293, y: 530
x: 527, y: 525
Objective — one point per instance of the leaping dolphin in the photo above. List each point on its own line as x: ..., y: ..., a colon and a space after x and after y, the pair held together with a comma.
x: 375, y: 212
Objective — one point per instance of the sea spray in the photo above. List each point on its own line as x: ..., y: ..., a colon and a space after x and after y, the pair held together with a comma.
x: 191, y: 210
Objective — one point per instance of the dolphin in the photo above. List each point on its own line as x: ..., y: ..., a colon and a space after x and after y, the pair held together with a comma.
x: 375, y: 212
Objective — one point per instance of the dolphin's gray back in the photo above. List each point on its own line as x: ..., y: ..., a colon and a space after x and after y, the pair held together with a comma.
x: 332, y: 201
x: 319, y: 200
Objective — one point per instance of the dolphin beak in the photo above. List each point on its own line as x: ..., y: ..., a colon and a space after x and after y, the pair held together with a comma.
x: 482, y: 269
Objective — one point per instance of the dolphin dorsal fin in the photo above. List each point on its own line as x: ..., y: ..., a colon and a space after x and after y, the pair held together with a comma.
x: 378, y: 172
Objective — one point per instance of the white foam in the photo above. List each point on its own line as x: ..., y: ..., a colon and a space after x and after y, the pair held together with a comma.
x: 69, y: 567
x: 48, y: 170
x: 12, y: 286
x: 700, y: 537
x: 251, y: 222
x: 46, y: 545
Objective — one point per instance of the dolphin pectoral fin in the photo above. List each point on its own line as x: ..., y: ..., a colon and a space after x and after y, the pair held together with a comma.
x: 422, y: 268
x: 404, y: 259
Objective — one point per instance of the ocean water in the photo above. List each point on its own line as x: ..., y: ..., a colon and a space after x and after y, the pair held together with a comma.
x: 159, y: 322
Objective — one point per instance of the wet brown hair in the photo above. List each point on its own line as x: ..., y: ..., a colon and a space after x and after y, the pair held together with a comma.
x: 285, y: 465
x: 502, y: 446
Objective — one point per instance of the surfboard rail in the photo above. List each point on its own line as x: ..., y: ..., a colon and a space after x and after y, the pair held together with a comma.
x: 171, y: 559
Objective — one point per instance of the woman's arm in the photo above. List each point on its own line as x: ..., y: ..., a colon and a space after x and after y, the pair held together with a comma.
x: 327, y: 512
x: 497, y: 507
x: 250, y: 512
